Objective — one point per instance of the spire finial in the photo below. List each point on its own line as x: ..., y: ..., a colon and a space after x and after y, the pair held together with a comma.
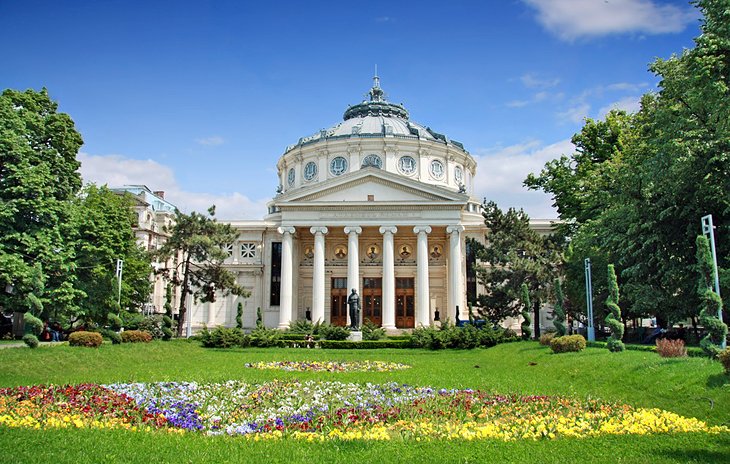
x: 376, y: 93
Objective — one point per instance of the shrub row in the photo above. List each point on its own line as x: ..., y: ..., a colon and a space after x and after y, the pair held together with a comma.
x: 466, y: 337
x: 364, y: 344
x: 83, y: 338
x: 135, y: 336
x: 692, y: 351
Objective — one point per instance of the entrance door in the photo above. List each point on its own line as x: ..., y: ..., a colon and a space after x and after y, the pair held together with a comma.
x: 338, y: 300
x: 405, y: 312
x: 372, y: 299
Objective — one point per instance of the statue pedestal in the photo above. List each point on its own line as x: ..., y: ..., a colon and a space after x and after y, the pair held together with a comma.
x: 355, y: 336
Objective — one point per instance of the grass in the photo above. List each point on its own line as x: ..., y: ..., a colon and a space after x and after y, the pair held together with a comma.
x: 689, y: 386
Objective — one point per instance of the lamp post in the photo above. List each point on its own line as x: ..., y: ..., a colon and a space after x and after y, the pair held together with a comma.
x: 589, y: 301
x: 120, y: 265
x: 709, y: 231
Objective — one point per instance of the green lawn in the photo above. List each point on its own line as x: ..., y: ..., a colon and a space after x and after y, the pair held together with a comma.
x: 691, y: 387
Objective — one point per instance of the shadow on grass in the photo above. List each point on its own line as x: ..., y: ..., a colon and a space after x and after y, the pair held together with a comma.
x: 697, y: 454
x: 718, y: 381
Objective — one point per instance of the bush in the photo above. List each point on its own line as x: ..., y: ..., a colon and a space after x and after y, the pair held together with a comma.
x: 114, y: 321
x: 131, y: 320
x: 670, y: 348
x: 222, y: 337
x: 371, y: 331
x: 264, y: 338
x: 30, y: 340
x: 166, y: 327
x: 301, y: 326
x: 33, y: 325
x: 115, y: 338
x: 136, y: 336
x: 153, y: 325
x: 546, y: 338
x: 568, y: 343
x: 724, y: 358
x: 430, y: 337
x: 332, y: 332
x: 84, y: 338
x: 364, y: 344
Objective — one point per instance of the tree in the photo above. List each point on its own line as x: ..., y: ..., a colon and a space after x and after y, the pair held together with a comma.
x: 104, y: 234
x: 196, y: 246
x: 526, y: 320
x: 558, y: 310
x: 38, y: 177
x: 239, y: 314
x: 515, y: 254
x: 613, y: 319
x: 711, y: 304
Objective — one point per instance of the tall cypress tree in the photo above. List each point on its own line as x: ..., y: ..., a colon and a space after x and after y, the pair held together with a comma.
x: 526, y: 319
x: 613, y: 320
x: 558, y: 310
x: 710, y: 303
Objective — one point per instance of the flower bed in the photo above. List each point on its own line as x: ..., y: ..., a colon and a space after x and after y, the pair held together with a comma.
x: 318, y: 411
x: 330, y: 366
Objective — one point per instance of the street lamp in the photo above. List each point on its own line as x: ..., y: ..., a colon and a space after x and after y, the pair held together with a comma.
x: 709, y: 231
x: 589, y: 301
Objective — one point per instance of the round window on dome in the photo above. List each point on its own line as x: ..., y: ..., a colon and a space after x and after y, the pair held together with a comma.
x: 338, y: 166
x: 407, y: 165
x: 291, y: 176
x: 373, y: 161
x: 458, y: 174
x: 437, y: 169
x: 310, y: 170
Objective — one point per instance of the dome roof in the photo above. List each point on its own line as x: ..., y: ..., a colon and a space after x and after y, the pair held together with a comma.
x: 376, y: 117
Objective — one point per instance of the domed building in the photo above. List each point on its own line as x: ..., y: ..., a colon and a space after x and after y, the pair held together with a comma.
x: 377, y: 203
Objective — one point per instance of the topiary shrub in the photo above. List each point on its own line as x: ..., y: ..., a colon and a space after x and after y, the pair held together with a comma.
x: 153, y: 325
x: 113, y: 336
x: 710, y: 302
x: 239, y: 316
x: 558, y: 310
x: 33, y: 325
x: 332, y: 332
x: 30, y: 340
x: 136, y: 336
x: 526, y: 325
x: 568, y: 343
x: 547, y: 337
x: 166, y: 327
x: 613, y: 319
x: 264, y: 338
x: 222, y: 337
x: 114, y: 321
x: 131, y: 320
x: 671, y: 348
x: 724, y: 358
x: 84, y: 338
x: 370, y: 331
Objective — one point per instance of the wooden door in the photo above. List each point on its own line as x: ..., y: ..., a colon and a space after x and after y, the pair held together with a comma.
x: 372, y: 300
x: 338, y: 300
x: 405, y: 308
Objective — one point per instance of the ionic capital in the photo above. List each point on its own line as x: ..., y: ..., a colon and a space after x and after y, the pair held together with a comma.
x: 286, y: 230
x: 419, y: 229
x: 388, y: 230
x: 353, y: 230
x: 319, y: 230
x: 455, y: 229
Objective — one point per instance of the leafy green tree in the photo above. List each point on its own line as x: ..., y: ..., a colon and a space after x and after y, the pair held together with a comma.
x: 514, y: 254
x: 38, y: 177
x: 196, y: 246
x: 613, y: 319
x: 526, y: 325
x: 558, y: 310
x: 710, y: 301
x: 104, y: 234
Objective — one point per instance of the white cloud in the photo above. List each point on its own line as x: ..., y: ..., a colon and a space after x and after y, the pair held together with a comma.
x: 211, y: 141
x: 117, y: 170
x: 573, y: 19
x: 501, y: 171
x: 630, y: 104
x: 575, y: 114
x: 530, y: 80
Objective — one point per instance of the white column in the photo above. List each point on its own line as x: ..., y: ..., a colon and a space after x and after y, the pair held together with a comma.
x: 422, y: 287
x: 388, y: 277
x: 353, y: 261
x: 456, y: 282
x: 318, y: 276
x: 287, y: 281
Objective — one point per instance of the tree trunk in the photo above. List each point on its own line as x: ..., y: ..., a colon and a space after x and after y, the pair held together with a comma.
x: 182, y: 310
x: 537, y: 318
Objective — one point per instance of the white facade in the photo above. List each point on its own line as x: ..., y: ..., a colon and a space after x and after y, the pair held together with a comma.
x: 377, y: 203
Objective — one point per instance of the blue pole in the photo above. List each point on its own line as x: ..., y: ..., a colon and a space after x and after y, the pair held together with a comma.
x: 589, y: 301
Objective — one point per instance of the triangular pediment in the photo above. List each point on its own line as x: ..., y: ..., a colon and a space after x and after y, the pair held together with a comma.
x: 370, y: 185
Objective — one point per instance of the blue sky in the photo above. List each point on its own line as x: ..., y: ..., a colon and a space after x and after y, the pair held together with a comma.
x: 201, y: 98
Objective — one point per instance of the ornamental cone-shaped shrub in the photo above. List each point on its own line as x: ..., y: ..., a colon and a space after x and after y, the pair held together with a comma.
x: 526, y: 319
x: 710, y: 302
x: 613, y: 320
x: 558, y: 311
x: 239, y: 313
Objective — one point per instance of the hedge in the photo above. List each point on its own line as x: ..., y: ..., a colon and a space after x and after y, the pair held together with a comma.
x: 82, y: 338
x: 692, y: 351
x: 136, y: 336
x: 364, y: 344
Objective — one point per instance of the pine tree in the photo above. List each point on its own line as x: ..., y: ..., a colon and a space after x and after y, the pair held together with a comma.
x: 613, y: 319
x: 526, y: 319
x: 239, y: 314
x: 558, y: 310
